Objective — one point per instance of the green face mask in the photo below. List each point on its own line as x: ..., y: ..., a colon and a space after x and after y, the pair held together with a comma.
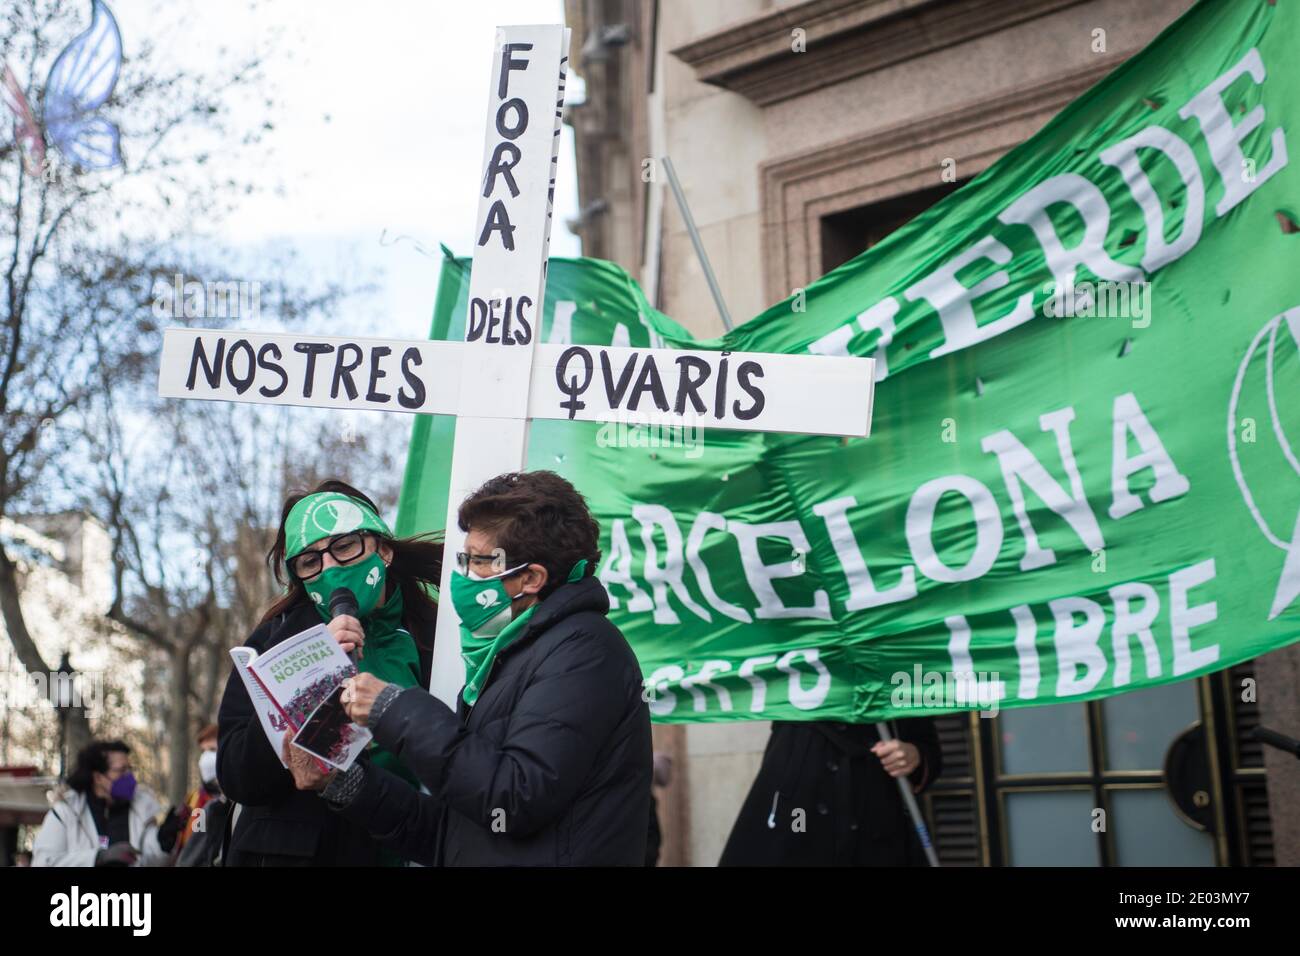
x: 482, y: 604
x: 364, y: 578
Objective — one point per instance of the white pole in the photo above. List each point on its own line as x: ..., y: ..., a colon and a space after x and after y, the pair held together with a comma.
x: 913, y: 810
x: 698, y: 243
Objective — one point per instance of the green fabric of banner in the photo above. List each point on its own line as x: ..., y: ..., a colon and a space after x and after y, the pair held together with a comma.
x: 1082, y: 475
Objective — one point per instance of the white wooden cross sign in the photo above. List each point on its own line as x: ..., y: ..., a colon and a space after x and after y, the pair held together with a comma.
x: 500, y: 377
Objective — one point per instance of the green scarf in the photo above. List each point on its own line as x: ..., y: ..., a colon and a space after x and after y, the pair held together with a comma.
x: 390, y: 655
x: 479, y: 652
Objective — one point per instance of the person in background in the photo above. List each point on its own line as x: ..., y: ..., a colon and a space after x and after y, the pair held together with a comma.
x: 105, y: 818
x: 208, y: 786
x: 827, y: 794
x: 208, y: 807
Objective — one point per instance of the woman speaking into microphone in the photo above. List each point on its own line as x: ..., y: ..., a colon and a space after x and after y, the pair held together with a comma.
x: 328, y: 540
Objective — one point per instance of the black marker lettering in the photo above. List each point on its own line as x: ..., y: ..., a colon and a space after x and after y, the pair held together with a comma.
x: 498, y: 220
x: 524, y: 334
x: 508, y: 63
x: 573, y: 388
x: 411, y: 357
x: 477, y: 319
x: 494, y: 319
x: 246, y: 382
x: 688, y: 385
x: 615, y: 393
x: 720, y: 394
x: 498, y: 166
x: 272, y: 366
x: 521, y: 117
x: 742, y: 376
x: 211, y: 370
x: 649, y: 381
x: 376, y: 373
x: 311, y: 350
x: 343, y: 370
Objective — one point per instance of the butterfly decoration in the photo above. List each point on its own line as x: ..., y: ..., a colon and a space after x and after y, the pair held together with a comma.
x: 80, y: 82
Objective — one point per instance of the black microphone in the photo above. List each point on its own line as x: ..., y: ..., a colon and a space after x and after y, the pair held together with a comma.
x: 342, y: 601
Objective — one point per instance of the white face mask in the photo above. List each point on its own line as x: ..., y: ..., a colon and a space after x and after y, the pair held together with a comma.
x: 208, y: 766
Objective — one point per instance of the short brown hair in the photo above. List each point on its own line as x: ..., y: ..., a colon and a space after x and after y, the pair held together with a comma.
x: 536, y: 517
x: 207, y: 733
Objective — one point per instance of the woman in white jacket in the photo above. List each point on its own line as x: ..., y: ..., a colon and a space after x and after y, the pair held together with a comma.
x: 105, y: 818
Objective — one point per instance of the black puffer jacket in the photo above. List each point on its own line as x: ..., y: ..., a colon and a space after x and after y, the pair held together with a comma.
x: 551, y: 767
x: 280, y: 825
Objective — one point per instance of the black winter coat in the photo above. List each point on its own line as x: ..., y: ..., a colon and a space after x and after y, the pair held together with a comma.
x: 278, y: 824
x: 852, y: 811
x: 551, y: 767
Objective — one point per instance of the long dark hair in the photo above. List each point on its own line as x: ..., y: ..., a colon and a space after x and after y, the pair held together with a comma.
x: 416, y: 565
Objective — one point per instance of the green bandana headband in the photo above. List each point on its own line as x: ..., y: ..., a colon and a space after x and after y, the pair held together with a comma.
x: 326, y: 514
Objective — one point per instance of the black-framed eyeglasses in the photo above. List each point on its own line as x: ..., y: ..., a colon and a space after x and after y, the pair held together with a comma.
x: 344, y: 549
x: 484, y: 565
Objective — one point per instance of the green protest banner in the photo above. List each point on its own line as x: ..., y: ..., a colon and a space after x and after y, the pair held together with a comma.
x: 1081, y: 477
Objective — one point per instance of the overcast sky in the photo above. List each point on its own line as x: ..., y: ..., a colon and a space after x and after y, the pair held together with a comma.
x: 379, y: 131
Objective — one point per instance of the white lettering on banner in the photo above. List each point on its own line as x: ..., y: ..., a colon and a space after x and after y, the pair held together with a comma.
x: 986, y: 694
x: 1224, y: 139
x: 1026, y: 651
x: 667, y: 579
x: 760, y: 576
x: 758, y: 686
x: 1078, y: 644
x: 1079, y: 625
x: 1019, y: 464
x: 1030, y: 210
x: 618, y: 570
x: 1127, y: 417
x: 704, y: 678
x: 669, y: 575
x: 880, y: 317
x: 920, y: 528
x: 1124, y: 156
x: 796, y: 666
x: 1184, y: 618
x: 1074, y: 649
x: 705, y: 522
x: 953, y: 301
x: 1129, y: 624
x: 862, y: 589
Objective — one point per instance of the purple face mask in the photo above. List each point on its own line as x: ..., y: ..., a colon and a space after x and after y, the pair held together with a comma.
x: 123, y: 788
